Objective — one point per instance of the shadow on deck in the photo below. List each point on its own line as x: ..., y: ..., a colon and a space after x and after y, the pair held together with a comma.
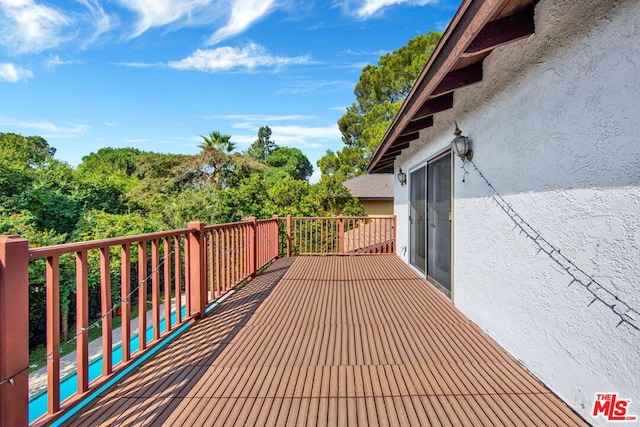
x: 331, y: 341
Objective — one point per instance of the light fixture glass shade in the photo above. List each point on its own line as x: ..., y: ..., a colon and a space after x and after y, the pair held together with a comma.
x: 460, y: 145
x: 402, y: 177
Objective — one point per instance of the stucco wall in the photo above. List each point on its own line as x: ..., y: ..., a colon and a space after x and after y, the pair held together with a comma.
x: 555, y: 126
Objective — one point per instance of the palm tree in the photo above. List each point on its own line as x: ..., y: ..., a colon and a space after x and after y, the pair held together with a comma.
x: 218, y: 141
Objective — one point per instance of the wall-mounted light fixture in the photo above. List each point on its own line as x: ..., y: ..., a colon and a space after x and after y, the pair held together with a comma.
x: 461, y: 145
x: 402, y: 177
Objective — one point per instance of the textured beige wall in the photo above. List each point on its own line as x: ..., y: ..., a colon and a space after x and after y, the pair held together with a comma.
x: 377, y: 207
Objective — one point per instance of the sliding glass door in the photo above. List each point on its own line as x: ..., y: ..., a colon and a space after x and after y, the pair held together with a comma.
x: 417, y: 218
x: 439, y: 221
x: 430, y: 221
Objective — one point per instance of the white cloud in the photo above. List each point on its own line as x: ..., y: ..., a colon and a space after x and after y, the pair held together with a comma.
x: 243, y: 14
x: 140, y: 64
x: 305, y: 136
x: 315, y: 176
x: 364, y: 9
x: 31, y: 27
x: 157, y: 13
x: 261, y: 118
x: 228, y: 58
x: 48, y: 129
x: 375, y: 53
x: 306, y: 86
x: 11, y: 73
x: 294, y: 136
x: 101, y: 21
x: 55, y: 61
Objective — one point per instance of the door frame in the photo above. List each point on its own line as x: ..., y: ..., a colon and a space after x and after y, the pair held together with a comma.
x: 411, y: 170
x: 424, y: 163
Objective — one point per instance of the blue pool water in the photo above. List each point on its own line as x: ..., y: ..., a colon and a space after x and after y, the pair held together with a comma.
x: 69, y: 384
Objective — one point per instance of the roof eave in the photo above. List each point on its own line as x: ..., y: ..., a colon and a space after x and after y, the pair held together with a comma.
x: 451, y: 66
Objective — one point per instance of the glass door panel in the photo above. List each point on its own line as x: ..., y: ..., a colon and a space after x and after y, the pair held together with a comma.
x: 439, y: 221
x: 417, y: 219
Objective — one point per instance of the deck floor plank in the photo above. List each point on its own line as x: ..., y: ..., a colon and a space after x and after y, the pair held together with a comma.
x: 335, y: 341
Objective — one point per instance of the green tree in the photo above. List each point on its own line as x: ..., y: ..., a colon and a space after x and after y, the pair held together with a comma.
x: 104, y: 178
x: 217, y: 141
x: 292, y: 161
x: 263, y: 146
x: 329, y: 198
x: 32, y: 180
x: 250, y: 198
x: 24, y: 224
x: 379, y: 93
x: 29, y: 151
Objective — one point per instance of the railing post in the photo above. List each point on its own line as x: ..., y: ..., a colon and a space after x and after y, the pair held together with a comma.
x: 197, y: 272
x: 395, y: 235
x: 254, y: 246
x: 14, y: 331
x: 288, y: 236
x: 273, y: 236
x: 340, y: 234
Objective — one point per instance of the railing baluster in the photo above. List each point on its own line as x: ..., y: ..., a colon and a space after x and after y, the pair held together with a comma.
x: 197, y: 279
x: 167, y: 285
x: 53, y: 334
x: 142, y: 295
x: 105, y: 288
x: 232, y: 257
x: 211, y: 293
x: 227, y: 253
x: 125, y: 301
x: 155, y: 288
x: 187, y: 276
x: 217, y: 266
x: 82, y: 320
x: 13, y: 257
x: 236, y: 251
x: 177, y: 277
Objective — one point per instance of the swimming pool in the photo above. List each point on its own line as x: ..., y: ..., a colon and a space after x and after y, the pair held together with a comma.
x: 69, y: 384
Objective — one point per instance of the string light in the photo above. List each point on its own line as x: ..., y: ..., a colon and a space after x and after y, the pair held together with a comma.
x: 560, y: 258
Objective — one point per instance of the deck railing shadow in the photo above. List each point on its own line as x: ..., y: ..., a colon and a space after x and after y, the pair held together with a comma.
x: 183, y: 360
x: 188, y: 269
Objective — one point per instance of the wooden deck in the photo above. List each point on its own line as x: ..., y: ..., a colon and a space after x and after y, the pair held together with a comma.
x: 332, y: 341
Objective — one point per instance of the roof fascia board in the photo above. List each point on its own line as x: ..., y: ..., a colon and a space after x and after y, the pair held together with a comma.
x: 463, y: 29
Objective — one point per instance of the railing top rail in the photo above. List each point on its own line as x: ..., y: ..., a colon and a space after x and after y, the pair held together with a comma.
x: 66, y: 248
x: 269, y: 220
x: 226, y: 225
x: 341, y: 217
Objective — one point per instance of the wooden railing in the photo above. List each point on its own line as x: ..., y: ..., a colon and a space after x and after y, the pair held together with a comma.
x: 182, y: 272
x: 342, y: 235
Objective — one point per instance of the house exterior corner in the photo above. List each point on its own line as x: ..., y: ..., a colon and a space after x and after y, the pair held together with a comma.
x: 545, y: 218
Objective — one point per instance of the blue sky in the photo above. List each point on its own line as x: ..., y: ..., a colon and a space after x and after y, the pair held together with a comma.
x: 157, y: 74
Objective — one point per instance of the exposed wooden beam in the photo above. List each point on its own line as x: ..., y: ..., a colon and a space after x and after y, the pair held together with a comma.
x: 503, y: 30
x: 394, y: 149
x: 459, y: 78
x: 417, y: 125
x: 385, y: 164
x: 388, y: 160
x: 383, y: 169
x: 434, y: 105
x: 405, y: 138
x: 471, y: 17
x: 391, y: 156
